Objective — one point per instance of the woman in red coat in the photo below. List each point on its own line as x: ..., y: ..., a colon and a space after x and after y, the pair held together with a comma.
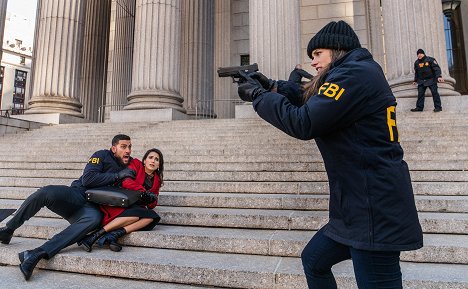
x: 119, y: 221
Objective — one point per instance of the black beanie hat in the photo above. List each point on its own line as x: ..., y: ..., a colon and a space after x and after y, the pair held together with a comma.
x: 420, y: 51
x: 335, y: 35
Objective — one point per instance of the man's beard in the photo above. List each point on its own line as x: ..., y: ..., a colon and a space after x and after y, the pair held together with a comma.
x: 121, y: 161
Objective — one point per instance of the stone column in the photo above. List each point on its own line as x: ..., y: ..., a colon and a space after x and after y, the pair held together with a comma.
x: 34, y: 53
x: 3, y: 8
x: 156, y: 59
x: 58, y: 59
x: 274, y: 36
x: 222, y: 58
x: 95, y: 44
x: 197, y: 56
x: 119, y: 79
x: 407, y: 27
x: 375, y: 28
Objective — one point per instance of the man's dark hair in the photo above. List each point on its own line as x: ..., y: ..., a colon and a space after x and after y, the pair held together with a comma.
x: 119, y: 137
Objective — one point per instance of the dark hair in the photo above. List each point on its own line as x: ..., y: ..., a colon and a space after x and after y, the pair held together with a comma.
x: 312, y: 87
x: 119, y: 137
x: 160, y: 170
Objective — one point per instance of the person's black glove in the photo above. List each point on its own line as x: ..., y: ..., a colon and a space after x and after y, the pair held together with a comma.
x: 249, y: 88
x: 148, y: 198
x: 125, y: 173
x: 266, y: 82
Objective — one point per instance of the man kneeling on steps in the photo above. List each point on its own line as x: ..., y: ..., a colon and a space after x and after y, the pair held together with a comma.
x: 104, y: 168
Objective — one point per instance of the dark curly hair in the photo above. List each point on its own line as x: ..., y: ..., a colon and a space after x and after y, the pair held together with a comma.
x: 160, y: 170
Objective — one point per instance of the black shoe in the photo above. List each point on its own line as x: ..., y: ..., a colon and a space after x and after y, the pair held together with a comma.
x: 437, y: 109
x: 111, y: 239
x: 5, y: 235
x: 89, y: 240
x: 29, y: 260
x: 416, y: 109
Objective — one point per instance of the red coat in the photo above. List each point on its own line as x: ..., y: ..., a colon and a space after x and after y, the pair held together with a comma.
x: 136, y: 184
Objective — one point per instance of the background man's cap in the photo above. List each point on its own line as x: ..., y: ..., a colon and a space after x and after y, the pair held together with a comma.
x: 420, y: 51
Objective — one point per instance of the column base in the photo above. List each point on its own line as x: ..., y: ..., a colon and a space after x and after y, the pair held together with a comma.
x: 55, y: 105
x: 245, y: 111
x: 405, y: 88
x: 51, y: 118
x: 154, y: 99
x: 147, y: 115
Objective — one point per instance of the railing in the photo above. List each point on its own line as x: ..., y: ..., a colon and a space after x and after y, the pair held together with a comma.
x: 217, y: 108
x: 102, y: 110
x: 12, y: 111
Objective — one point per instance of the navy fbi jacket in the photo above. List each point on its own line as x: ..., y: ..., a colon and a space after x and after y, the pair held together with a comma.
x: 100, y: 170
x: 353, y: 121
x: 426, y: 71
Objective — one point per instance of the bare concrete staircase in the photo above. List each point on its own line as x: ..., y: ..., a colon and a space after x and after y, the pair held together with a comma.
x: 240, y: 201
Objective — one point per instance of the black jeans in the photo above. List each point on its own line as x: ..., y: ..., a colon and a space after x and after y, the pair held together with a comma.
x: 69, y: 203
x: 372, y: 269
x: 435, y: 96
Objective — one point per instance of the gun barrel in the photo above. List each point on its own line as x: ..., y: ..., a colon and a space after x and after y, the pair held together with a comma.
x: 233, y: 70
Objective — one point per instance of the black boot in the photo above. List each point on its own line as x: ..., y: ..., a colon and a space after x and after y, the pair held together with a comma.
x: 5, y: 235
x: 29, y: 260
x: 111, y: 239
x: 89, y: 240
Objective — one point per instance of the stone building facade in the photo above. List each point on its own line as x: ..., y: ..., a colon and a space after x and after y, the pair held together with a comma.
x: 134, y: 60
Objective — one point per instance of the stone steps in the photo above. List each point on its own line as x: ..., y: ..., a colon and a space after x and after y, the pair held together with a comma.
x: 419, y: 188
x: 317, y: 202
x: 234, y: 214
x: 438, y: 248
x: 420, y: 165
x: 58, y: 280
x: 216, y: 269
x: 445, y: 223
x: 209, y: 156
x: 235, y: 176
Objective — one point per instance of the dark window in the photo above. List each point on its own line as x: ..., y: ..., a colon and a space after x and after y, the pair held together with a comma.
x: 245, y: 59
x: 19, y: 92
x: 456, y: 50
x: 22, y: 60
x: 2, y: 71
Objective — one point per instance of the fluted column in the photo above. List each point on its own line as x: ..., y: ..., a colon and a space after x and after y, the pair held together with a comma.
x: 222, y: 58
x: 408, y: 27
x: 59, y: 49
x: 156, y: 59
x: 34, y: 52
x: 197, y: 56
x: 94, y: 57
x: 120, y: 60
x: 375, y: 31
x: 274, y: 36
x: 3, y: 8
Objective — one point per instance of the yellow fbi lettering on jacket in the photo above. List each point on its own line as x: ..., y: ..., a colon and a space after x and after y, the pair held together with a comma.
x: 331, y: 90
x: 94, y: 161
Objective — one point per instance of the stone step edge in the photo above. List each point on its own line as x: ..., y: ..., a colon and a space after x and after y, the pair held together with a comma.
x: 13, y: 279
x: 438, y: 223
x: 316, y: 202
x: 438, y: 248
x: 214, y: 269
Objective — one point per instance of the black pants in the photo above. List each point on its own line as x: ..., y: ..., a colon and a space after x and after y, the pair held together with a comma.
x: 372, y: 269
x: 435, y: 96
x: 69, y: 203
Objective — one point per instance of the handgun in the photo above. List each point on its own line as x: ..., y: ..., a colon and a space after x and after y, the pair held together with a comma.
x: 233, y: 71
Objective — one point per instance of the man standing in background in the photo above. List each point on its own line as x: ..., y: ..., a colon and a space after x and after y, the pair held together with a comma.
x: 426, y: 74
